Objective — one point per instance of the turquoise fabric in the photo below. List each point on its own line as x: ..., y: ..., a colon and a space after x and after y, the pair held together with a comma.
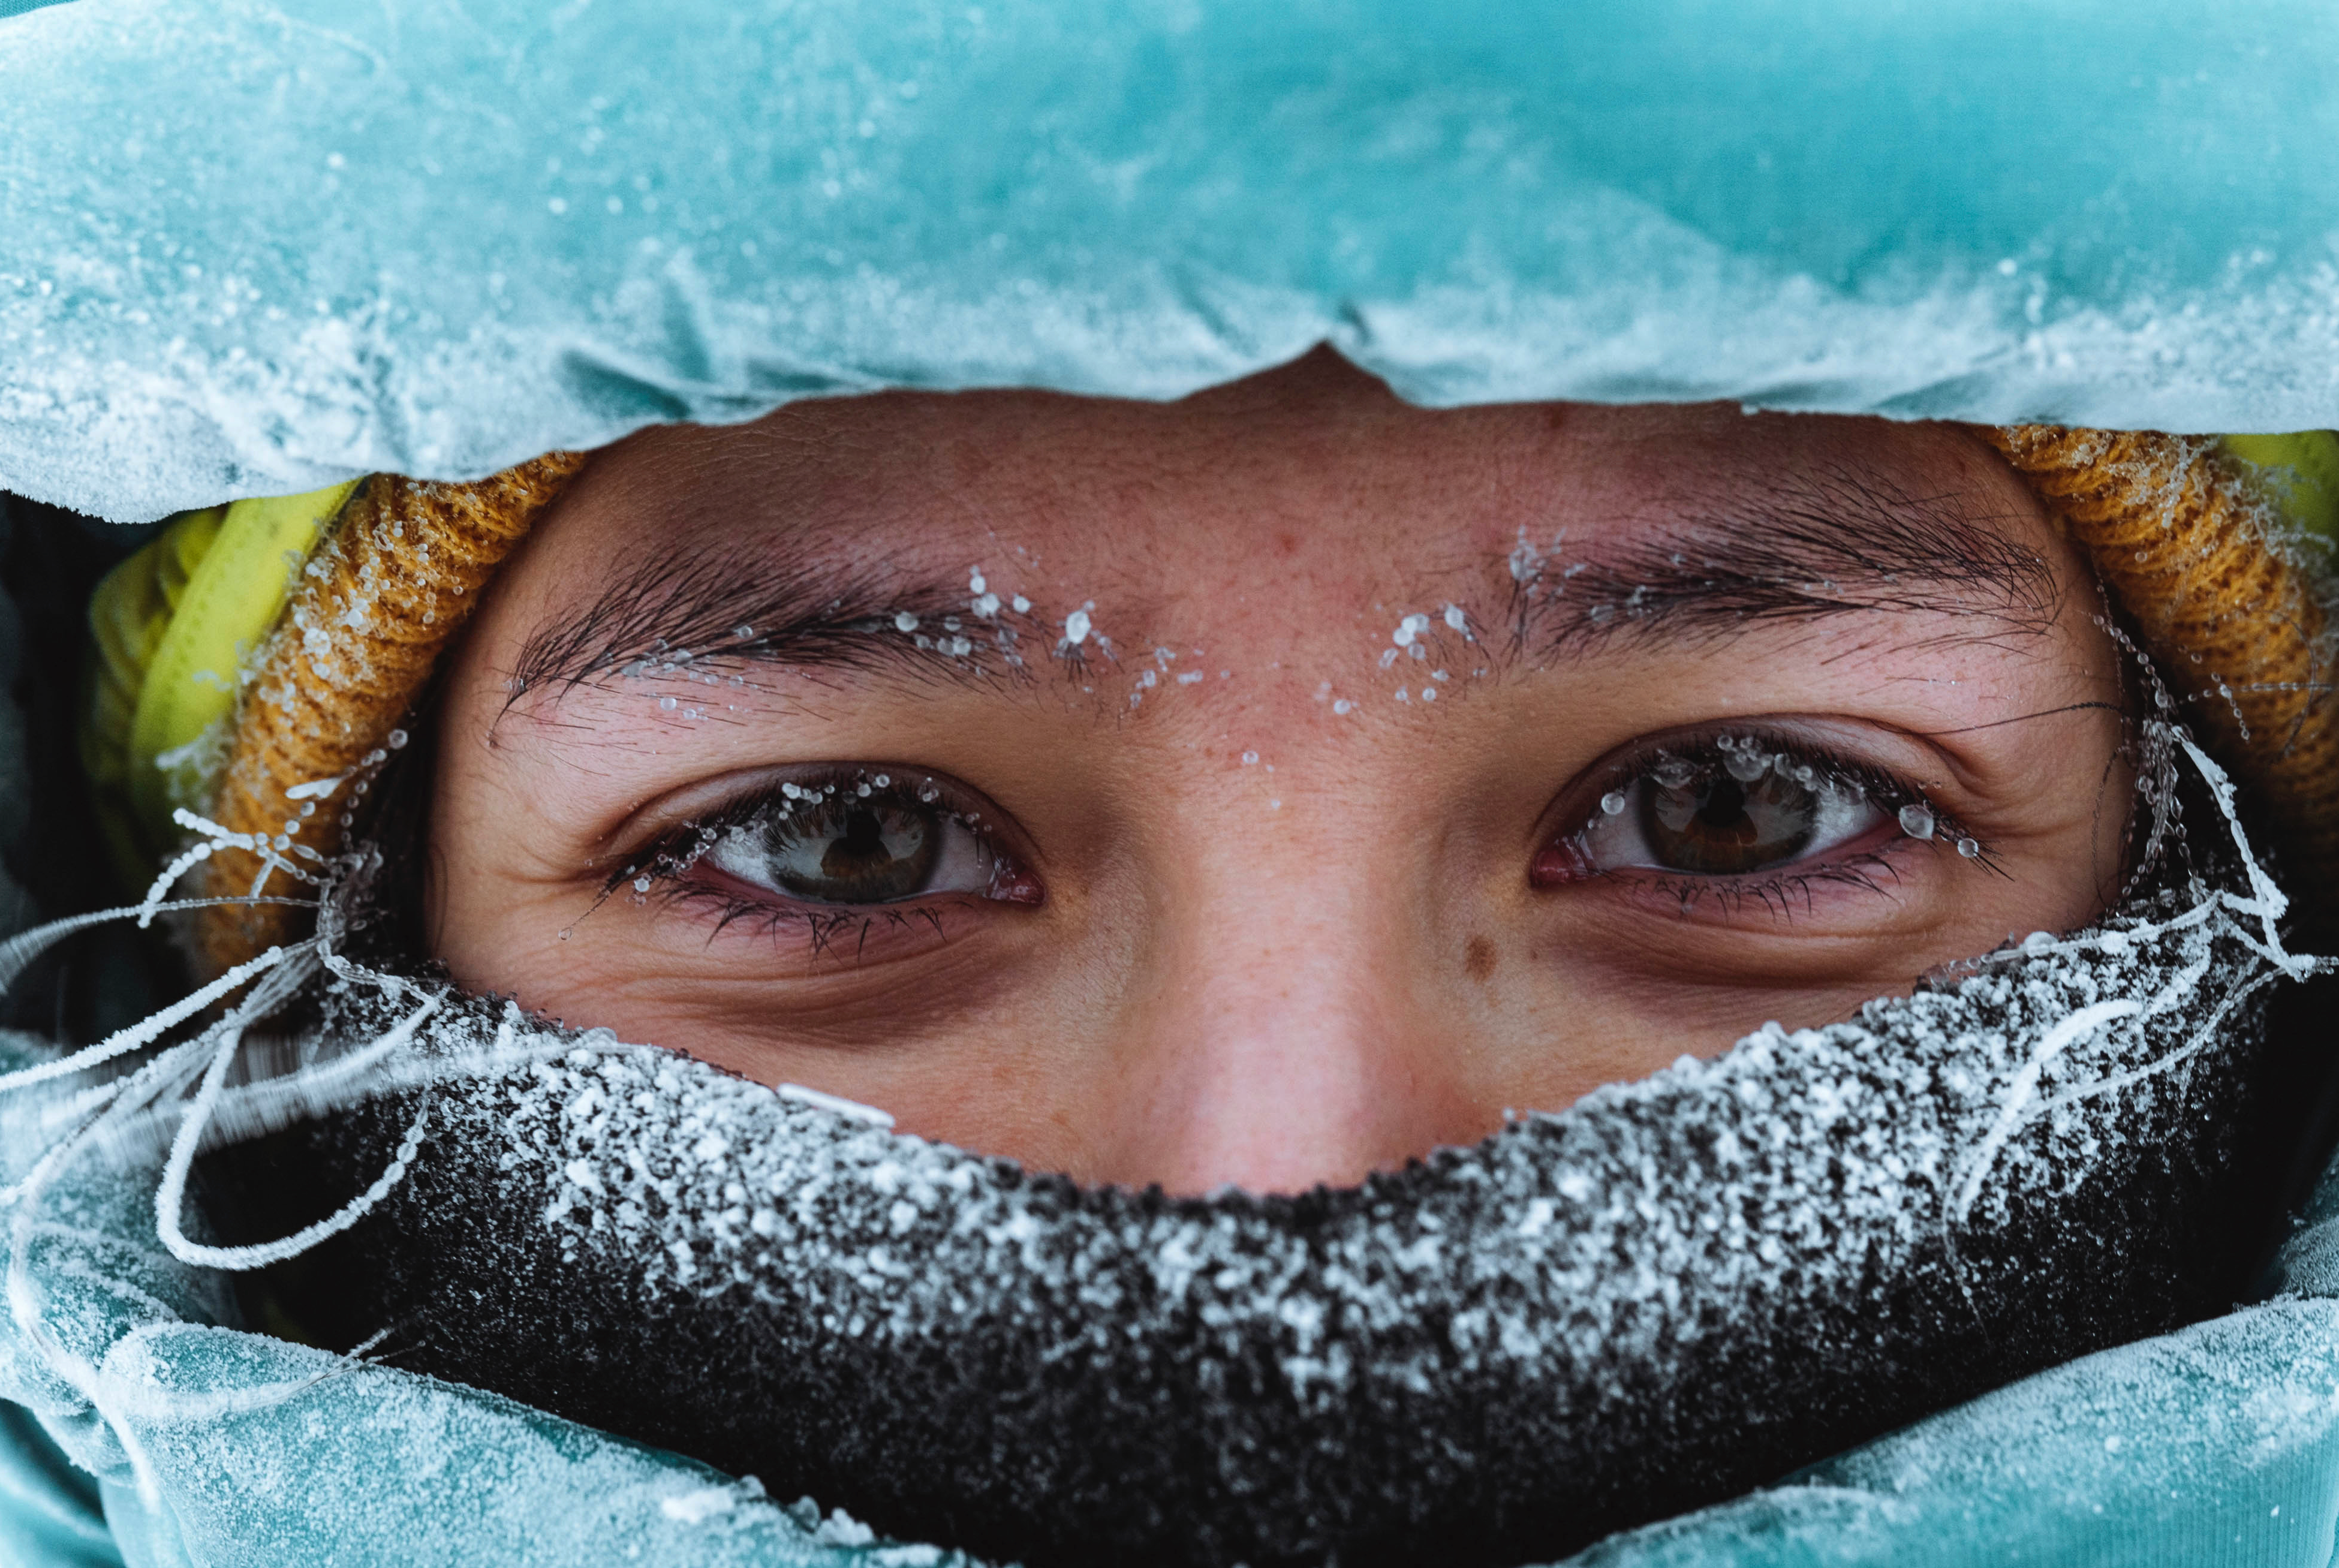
x: 252, y: 247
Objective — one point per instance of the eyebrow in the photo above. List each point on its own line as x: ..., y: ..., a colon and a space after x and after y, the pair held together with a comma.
x: 1821, y: 544
x: 1817, y: 545
x: 683, y: 611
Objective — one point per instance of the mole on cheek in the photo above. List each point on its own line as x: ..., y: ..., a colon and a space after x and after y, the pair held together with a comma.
x: 1478, y: 958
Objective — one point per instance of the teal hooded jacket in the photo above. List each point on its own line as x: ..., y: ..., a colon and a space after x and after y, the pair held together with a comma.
x: 252, y: 249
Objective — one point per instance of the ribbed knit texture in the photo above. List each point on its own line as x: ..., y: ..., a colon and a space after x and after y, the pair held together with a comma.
x: 376, y: 605
x: 2187, y: 547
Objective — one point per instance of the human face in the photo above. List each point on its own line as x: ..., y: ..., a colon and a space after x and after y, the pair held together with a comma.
x: 1309, y: 780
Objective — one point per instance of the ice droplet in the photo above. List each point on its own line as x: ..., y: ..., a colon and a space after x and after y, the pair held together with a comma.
x: 1429, y: 693
x: 641, y: 884
x: 666, y: 705
x: 1968, y: 848
x: 397, y: 740
x: 1456, y: 619
x: 1076, y: 627
x: 1249, y: 758
x: 1343, y: 705
x: 1916, y: 822
x: 1407, y: 629
x: 903, y: 621
x: 974, y: 583
x: 1745, y: 766
x: 1022, y: 606
x: 1612, y: 803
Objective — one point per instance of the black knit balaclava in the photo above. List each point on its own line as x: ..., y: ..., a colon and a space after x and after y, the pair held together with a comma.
x: 1672, y: 1291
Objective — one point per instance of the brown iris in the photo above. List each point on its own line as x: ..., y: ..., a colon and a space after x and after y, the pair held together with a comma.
x: 857, y: 853
x: 1714, y: 823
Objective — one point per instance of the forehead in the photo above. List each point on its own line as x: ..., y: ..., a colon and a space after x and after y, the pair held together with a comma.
x: 1309, y: 480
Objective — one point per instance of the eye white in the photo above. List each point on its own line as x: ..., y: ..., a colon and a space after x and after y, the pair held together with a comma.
x: 1615, y: 840
x: 761, y: 852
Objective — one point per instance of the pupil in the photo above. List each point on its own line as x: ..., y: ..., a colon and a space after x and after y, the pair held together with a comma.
x: 860, y: 850
x: 1718, y: 825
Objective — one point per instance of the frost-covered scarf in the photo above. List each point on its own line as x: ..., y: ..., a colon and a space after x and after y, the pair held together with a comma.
x: 1672, y: 1291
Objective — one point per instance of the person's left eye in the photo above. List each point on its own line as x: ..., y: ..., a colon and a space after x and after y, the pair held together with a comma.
x: 1732, y: 806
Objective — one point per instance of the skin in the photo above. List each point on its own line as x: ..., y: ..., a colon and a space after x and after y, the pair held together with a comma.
x: 1371, y: 941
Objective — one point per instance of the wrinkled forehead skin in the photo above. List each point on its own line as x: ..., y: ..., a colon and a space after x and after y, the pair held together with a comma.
x: 1671, y: 1291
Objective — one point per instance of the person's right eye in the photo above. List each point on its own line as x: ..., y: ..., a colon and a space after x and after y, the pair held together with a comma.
x: 836, y: 838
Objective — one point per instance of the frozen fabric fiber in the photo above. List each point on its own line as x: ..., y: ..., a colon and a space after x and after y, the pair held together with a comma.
x: 252, y: 249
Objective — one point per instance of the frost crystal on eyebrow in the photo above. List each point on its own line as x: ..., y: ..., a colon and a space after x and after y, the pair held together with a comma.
x: 1407, y: 629
x: 1023, y: 605
x: 1916, y: 820
x: 1457, y: 620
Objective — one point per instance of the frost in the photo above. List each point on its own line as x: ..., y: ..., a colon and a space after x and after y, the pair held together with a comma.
x: 166, y: 354
x: 1601, y: 1285
x: 697, y: 1507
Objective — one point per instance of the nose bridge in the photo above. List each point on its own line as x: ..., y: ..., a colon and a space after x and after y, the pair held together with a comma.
x: 1281, y: 1042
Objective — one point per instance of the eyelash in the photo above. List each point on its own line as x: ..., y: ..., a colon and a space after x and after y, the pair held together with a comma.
x: 1779, y: 890
x: 662, y: 868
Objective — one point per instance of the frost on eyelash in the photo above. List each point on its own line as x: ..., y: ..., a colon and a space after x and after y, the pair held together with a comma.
x: 1747, y: 759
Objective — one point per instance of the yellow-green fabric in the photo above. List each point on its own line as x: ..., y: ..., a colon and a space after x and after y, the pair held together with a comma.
x: 171, y: 627
x: 2300, y: 474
